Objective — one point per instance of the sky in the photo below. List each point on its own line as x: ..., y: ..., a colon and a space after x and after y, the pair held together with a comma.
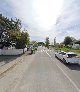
x: 42, y: 18
x: 68, y: 23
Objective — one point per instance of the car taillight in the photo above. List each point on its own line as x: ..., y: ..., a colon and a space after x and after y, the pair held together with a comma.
x: 69, y: 57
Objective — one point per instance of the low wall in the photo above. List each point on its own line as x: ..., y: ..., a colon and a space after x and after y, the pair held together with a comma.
x: 12, y: 51
x: 25, y: 49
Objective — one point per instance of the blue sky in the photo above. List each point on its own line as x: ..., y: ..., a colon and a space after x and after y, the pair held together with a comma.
x: 69, y: 20
x: 39, y: 17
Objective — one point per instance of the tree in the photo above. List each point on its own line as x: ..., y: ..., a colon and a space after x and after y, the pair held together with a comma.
x: 22, y: 40
x: 47, y: 42
x: 12, y: 33
x: 34, y: 43
x: 73, y: 39
x: 9, y: 24
x: 41, y: 44
x: 77, y: 42
x: 67, y: 40
x: 4, y: 39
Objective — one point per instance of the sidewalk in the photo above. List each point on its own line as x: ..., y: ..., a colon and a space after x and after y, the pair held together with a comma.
x: 6, y: 67
x: 10, y: 79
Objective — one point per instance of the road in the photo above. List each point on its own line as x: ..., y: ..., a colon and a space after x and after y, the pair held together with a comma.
x: 41, y: 72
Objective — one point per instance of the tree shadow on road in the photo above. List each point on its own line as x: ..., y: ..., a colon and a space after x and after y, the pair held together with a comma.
x: 6, y: 59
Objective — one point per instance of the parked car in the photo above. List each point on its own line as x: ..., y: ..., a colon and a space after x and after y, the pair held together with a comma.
x: 69, y: 57
x: 60, y: 54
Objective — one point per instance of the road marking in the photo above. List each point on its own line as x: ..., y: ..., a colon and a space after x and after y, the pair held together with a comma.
x: 48, y: 54
x: 43, y: 50
x: 65, y: 74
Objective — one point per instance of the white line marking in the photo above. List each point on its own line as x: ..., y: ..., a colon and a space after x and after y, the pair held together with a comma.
x: 66, y: 75
x: 68, y: 78
x: 48, y: 54
x: 43, y: 50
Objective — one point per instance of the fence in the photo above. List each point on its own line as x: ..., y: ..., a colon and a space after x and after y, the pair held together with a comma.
x: 12, y: 51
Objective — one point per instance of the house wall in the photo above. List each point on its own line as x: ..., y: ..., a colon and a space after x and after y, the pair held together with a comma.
x: 76, y: 46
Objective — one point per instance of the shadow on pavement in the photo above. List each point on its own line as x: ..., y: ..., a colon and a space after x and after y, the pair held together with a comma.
x: 73, y: 67
x: 6, y: 59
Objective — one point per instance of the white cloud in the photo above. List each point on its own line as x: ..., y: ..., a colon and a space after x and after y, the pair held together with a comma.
x: 39, y: 15
x: 68, y: 23
x: 47, y: 11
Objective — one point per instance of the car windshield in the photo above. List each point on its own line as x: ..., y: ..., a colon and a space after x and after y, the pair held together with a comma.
x: 63, y: 53
x: 72, y: 55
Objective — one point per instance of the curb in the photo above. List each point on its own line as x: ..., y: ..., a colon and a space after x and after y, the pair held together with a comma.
x: 9, y: 66
x: 5, y: 68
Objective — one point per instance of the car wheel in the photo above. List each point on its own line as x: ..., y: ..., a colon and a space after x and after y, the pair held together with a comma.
x: 55, y: 56
x: 64, y: 61
x: 68, y: 63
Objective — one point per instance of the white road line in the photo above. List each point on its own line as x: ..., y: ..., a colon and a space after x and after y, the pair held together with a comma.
x: 43, y: 50
x: 48, y: 54
x: 66, y: 75
x: 69, y: 78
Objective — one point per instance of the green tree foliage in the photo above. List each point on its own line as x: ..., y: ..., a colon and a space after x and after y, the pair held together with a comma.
x: 22, y: 40
x: 34, y: 43
x: 9, y: 24
x: 73, y: 39
x: 47, y: 42
x: 77, y: 42
x: 4, y: 39
x: 13, y: 29
x: 67, y: 40
x: 41, y: 44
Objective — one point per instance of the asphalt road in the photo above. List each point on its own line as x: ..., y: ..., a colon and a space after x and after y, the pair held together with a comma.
x: 42, y: 72
x: 47, y: 74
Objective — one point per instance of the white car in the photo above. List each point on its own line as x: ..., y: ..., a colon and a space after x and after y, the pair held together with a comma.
x: 69, y: 57
x: 60, y: 54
